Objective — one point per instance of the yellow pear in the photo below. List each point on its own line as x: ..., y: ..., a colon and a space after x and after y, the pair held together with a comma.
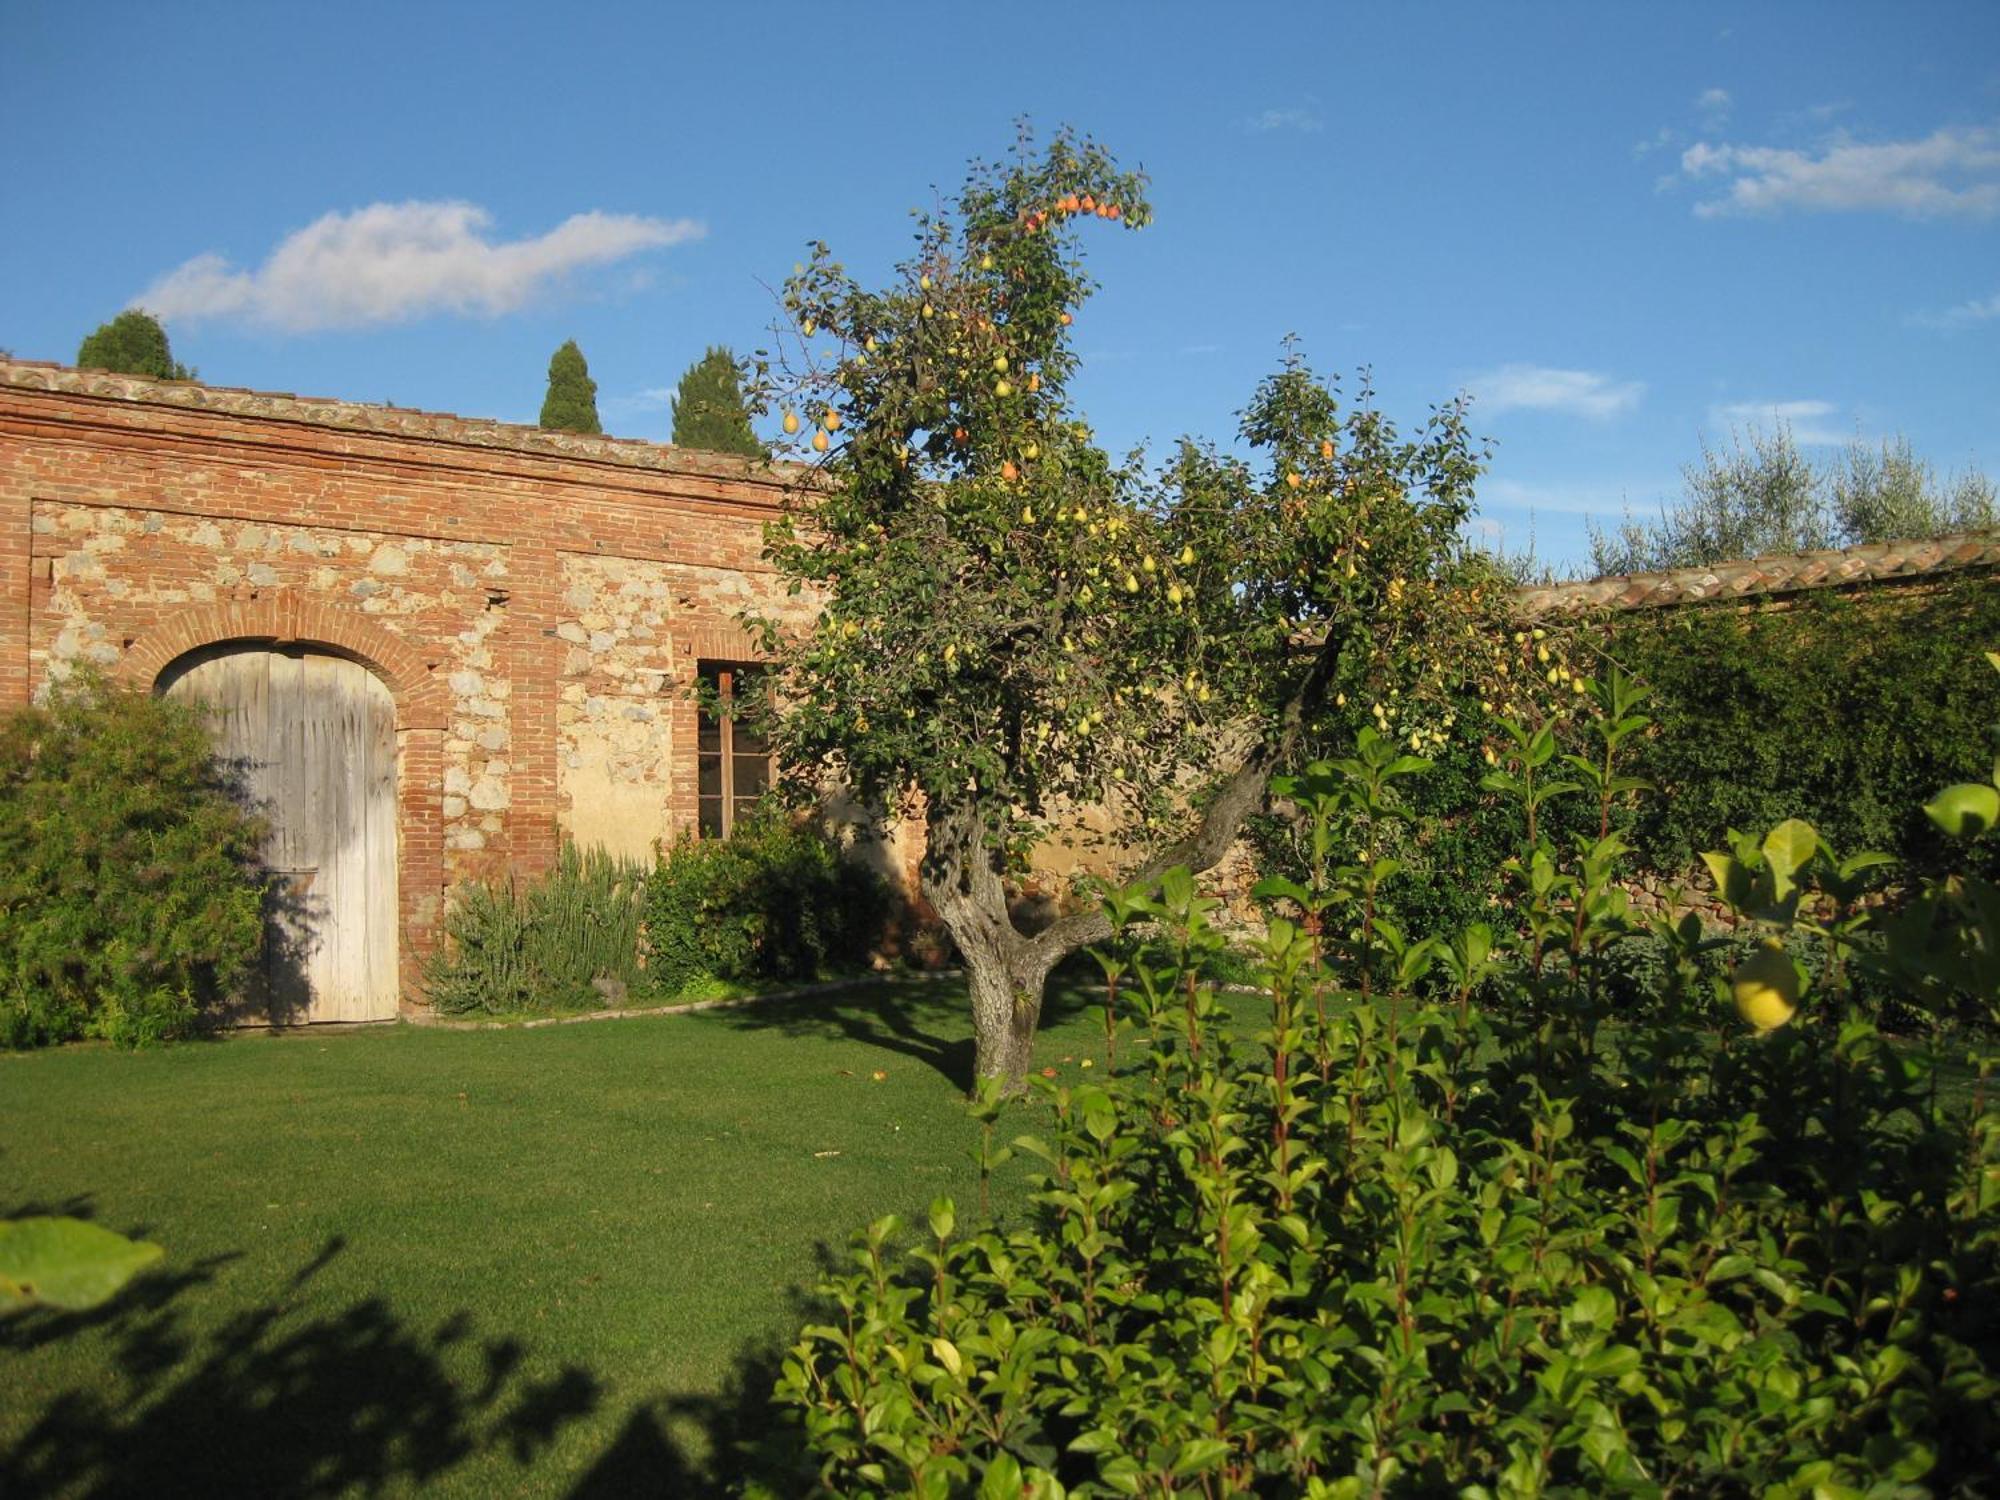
x: 819, y: 442
x: 791, y: 422
x: 1766, y: 987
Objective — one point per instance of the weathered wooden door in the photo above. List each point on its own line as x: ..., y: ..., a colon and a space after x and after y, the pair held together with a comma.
x: 311, y: 741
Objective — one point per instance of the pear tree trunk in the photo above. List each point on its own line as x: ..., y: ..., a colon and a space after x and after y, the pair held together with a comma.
x: 1007, y: 969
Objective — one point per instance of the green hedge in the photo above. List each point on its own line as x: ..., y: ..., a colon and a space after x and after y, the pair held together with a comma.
x: 1846, y: 709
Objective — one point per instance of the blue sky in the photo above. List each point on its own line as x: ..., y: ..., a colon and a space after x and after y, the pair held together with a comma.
x: 1623, y: 227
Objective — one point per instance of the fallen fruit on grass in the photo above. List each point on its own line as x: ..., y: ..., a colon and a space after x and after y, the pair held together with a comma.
x: 1766, y: 987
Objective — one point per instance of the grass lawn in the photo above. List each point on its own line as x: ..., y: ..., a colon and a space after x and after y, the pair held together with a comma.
x: 533, y: 1262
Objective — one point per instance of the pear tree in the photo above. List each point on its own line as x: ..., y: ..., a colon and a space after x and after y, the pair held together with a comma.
x: 1012, y: 625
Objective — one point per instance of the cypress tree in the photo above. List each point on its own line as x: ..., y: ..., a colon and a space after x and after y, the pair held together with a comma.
x: 571, y: 404
x: 708, y: 408
x: 133, y: 343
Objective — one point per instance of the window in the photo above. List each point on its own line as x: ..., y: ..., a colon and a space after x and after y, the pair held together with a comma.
x: 733, y: 761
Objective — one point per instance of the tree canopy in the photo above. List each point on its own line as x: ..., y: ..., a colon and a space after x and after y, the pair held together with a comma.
x: 1014, y: 623
x: 133, y: 343
x: 571, y: 403
x: 709, y: 409
x: 1763, y: 496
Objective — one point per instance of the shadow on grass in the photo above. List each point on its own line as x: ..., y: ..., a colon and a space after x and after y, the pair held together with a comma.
x: 713, y: 1445
x: 703, y: 1447
x: 929, y: 1021
x: 279, y: 1401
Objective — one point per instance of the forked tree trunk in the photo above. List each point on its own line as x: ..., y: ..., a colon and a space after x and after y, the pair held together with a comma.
x: 1005, y: 970
x: 1008, y: 970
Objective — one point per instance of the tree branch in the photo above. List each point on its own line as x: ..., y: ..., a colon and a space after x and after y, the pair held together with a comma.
x: 1240, y: 794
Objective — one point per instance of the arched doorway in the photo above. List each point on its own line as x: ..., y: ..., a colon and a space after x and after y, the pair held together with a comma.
x: 310, y: 738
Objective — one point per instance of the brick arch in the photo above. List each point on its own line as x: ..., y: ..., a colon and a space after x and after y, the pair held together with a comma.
x: 286, y: 618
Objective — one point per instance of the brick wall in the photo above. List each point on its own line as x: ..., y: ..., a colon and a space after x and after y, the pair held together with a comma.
x: 536, y: 602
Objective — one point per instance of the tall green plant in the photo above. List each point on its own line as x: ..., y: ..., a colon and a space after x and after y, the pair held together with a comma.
x: 569, y: 941
x: 709, y: 410
x: 131, y: 889
x: 571, y: 402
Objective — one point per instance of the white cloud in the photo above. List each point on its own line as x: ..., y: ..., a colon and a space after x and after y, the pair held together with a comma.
x: 1979, y: 310
x: 1660, y: 140
x: 1949, y: 173
x: 1806, y: 420
x: 1583, y: 393
x: 391, y: 262
x: 1711, y: 107
x: 1287, y: 119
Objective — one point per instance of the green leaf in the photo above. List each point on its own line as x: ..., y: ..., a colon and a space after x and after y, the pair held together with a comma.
x: 67, y: 1263
x: 1791, y: 845
x: 1097, y: 1440
x: 1733, y: 882
x: 1003, y: 1478
x: 1594, y: 1307
x: 1198, y: 1454
x: 1965, y: 811
x: 1276, y: 887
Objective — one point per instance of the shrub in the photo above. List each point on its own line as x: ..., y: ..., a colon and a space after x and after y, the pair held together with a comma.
x: 570, y: 941
x: 1845, y: 710
x: 774, y: 901
x: 131, y: 894
x: 1405, y: 1244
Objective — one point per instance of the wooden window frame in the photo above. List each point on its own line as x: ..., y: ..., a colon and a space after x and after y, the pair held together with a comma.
x: 716, y: 812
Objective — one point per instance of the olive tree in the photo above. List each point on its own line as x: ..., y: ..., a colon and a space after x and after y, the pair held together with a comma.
x: 1013, y: 625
